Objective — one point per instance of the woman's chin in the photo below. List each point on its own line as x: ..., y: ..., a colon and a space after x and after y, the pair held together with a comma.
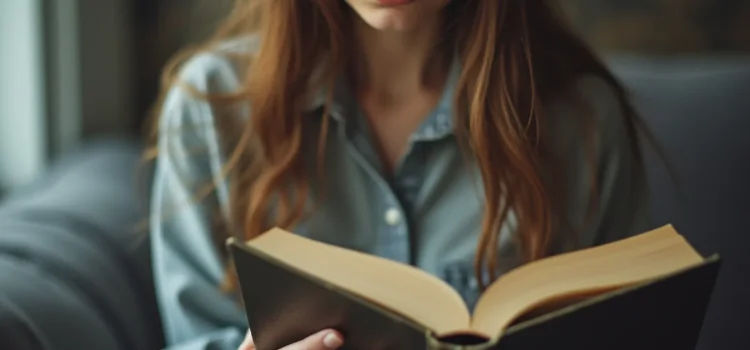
x: 397, y: 15
x: 391, y: 20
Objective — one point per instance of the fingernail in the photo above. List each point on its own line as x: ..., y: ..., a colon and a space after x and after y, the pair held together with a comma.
x: 332, y: 341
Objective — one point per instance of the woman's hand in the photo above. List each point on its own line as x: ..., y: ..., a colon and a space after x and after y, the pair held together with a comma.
x: 323, y: 340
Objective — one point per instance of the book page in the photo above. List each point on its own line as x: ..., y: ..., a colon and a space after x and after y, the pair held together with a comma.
x: 403, y: 289
x: 589, y: 272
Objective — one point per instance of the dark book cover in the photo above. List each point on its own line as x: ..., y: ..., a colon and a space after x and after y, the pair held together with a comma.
x: 664, y: 314
x: 284, y: 305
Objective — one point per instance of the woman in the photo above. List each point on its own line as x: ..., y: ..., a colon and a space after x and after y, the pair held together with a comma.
x: 463, y: 137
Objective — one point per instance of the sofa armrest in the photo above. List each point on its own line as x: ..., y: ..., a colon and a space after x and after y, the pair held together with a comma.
x: 76, y: 272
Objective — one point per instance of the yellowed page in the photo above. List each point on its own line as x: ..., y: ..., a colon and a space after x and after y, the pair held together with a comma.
x: 404, y: 289
x: 595, y: 270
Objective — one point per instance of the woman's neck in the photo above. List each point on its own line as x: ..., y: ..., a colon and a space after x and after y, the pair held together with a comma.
x: 396, y: 65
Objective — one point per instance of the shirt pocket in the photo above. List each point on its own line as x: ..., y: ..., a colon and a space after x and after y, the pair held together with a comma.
x: 460, y: 275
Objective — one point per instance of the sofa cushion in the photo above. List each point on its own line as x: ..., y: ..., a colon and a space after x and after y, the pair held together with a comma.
x: 698, y: 109
x: 70, y: 247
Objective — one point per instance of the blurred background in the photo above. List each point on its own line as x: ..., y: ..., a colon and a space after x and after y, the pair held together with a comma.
x: 80, y: 69
x: 76, y: 71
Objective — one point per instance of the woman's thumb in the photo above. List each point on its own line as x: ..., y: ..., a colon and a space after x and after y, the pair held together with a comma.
x: 323, y: 340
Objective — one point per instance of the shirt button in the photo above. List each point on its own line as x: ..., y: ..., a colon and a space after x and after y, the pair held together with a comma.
x: 392, y: 217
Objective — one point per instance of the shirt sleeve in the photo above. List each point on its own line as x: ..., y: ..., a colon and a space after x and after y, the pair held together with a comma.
x: 188, y: 268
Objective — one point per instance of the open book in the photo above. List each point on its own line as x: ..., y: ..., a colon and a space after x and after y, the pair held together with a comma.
x: 284, y: 276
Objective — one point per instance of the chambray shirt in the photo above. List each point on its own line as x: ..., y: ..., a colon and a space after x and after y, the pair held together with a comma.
x: 427, y: 213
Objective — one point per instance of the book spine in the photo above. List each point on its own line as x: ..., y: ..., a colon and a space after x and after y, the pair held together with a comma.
x: 436, y: 344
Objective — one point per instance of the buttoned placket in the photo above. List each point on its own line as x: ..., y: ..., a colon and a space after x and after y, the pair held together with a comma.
x: 397, y: 199
x: 393, y: 224
x: 400, y: 196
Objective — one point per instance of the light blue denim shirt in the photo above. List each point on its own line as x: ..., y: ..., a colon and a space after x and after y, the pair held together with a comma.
x: 428, y: 213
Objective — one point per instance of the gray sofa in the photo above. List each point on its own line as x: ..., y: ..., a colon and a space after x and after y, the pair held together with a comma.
x: 699, y: 111
x: 69, y: 248
x: 72, y: 259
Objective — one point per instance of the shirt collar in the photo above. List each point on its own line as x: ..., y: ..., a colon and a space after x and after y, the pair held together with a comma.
x: 438, y: 124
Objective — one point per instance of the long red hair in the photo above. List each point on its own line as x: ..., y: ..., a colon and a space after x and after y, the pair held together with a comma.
x: 515, y: 56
